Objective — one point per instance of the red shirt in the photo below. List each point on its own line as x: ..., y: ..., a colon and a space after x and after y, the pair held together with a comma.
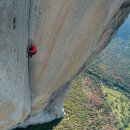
x: 34, y: 49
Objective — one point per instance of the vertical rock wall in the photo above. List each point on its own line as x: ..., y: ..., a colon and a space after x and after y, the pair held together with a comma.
x: 15, y: 101
x: 68, y: 35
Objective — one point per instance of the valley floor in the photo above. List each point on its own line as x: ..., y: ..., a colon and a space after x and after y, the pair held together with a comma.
x: 92, y: 105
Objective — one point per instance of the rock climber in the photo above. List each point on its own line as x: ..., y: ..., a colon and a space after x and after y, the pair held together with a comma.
x: 32, y: 50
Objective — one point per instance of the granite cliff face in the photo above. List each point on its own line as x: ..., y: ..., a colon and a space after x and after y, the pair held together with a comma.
x: 68, y: 35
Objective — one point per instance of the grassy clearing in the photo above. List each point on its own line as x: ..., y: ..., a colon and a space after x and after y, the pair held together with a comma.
x: 120, y: 104
x: 128, y: 128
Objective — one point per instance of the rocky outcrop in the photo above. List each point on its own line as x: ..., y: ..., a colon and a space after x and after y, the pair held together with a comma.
x: 68, y: 35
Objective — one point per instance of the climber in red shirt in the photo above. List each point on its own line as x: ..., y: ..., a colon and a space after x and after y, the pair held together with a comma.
x: 32, y: 50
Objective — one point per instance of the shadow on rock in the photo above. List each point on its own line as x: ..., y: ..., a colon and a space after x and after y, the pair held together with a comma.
x: 44, y: 126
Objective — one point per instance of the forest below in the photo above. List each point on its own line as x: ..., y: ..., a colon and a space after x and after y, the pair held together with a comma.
x: 113, y: 64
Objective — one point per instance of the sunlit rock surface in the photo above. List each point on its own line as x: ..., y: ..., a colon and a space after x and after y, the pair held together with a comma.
x: 68, y: 35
